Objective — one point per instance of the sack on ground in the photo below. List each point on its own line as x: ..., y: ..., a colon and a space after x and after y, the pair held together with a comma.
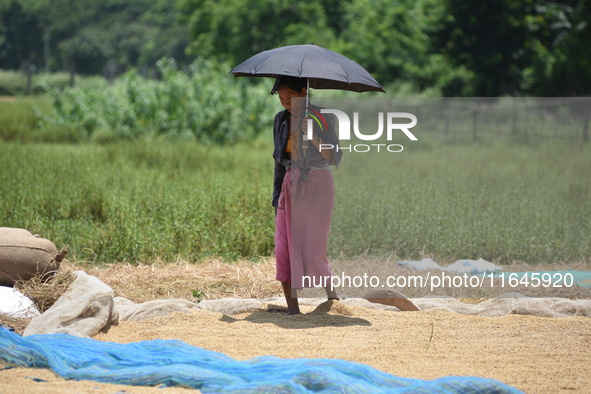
x: 23, y: 256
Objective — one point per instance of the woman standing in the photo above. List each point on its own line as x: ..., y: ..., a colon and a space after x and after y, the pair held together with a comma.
x: 303, y: 194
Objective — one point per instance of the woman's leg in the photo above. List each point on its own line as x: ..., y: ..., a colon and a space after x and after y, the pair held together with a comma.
x: 283, y: 245
x: 293, y: 306
x: 331, y: 294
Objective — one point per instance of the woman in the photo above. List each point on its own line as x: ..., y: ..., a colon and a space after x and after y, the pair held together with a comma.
x: 303, y: 194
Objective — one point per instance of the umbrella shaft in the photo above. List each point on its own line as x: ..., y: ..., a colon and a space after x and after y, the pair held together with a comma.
x: 310, y: 127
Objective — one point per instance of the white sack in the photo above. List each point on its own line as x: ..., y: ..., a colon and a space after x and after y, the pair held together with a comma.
x: 15, y: 304
x: 83, y: 310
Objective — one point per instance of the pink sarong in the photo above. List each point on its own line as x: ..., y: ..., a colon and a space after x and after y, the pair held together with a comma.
x: 302, y: 226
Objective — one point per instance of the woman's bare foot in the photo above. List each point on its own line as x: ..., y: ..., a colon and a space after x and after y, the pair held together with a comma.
x: 293, y: 306
x: 331, y: 294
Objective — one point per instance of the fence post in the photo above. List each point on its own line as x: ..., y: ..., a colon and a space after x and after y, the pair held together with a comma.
x: 474, y: 124
x: 29, y: 68
x: 586, y: 130
x: 446, y: 123
x: 514, y: 123
x: 46, y: 35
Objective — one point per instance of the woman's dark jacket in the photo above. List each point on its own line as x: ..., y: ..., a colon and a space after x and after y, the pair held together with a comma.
x: 313, y: 158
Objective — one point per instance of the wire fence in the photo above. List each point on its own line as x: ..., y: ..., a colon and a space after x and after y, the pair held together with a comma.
x: 513, y: 119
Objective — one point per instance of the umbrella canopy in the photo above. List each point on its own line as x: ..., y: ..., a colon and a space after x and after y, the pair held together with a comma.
x: 324, y: 69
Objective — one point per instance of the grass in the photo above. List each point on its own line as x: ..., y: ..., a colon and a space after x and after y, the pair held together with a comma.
x: 500, y: 202
x: 15, y: 82
x: 136, y: 201
x: 165, y: 198
x: 141, y: 201
x: 17, y: 120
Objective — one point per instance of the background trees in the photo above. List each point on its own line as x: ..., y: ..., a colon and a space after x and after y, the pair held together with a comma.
x: 19, y: 35
x: 236, y: 29
x: 516, y: 47
x: 458, y: 47
x: 90, y: 37
x: 561, y: 38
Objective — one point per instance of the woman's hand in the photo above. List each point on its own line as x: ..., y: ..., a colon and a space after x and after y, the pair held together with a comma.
x: 316, y: 141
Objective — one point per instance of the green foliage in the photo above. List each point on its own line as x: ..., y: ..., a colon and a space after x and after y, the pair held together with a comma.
x: 515, y: 47
x: 167, y: 38
x: 17, y: 119
x: 90, y: 37
x: 387, y: 39
x: 63, y: 14
x: 488, y: 38
x: 206, y: 104
x: 138, y: 201
x: 525, y: 203
x: 448, y: 47
x: 18, y: 35
x: 198, y: 294
x: 14, y: 83
x: 561, y: 42
x: 237, y: 29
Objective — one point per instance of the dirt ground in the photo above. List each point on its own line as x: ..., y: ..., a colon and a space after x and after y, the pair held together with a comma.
x: 533, y: 354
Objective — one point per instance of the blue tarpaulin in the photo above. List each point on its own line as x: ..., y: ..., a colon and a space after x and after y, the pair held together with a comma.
x: 175, y: 363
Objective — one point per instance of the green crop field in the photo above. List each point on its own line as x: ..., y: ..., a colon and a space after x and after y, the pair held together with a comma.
x: 502, y: 202
x: 138, y: 201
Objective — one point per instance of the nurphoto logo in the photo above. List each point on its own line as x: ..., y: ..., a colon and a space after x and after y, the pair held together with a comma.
x: 345, y: 130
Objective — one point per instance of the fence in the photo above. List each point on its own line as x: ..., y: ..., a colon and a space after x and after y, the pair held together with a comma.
x: 519, y: 119
x: 515, y: 119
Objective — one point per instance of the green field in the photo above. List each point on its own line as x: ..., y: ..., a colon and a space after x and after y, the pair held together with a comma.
x: 153, y: 189
x: 502, y: 202
x: 140, y: 201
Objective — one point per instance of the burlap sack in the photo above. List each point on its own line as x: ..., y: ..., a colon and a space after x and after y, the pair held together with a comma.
x: 15, y: 232
x: 22, y: 257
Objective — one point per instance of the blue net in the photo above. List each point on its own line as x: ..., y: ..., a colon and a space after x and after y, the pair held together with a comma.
x: 175, y: 363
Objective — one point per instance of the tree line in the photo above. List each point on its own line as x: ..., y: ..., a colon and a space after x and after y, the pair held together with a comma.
x: 460, y: 47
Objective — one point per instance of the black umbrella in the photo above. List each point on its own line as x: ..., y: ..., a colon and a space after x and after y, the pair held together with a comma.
x: 324, y: 69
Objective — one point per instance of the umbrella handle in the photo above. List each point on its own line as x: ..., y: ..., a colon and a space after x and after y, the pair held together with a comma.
x: 310, y: 127
x: 304, y: 141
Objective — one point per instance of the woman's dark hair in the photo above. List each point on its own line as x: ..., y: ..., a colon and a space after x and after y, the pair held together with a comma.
x: 294, y: 83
